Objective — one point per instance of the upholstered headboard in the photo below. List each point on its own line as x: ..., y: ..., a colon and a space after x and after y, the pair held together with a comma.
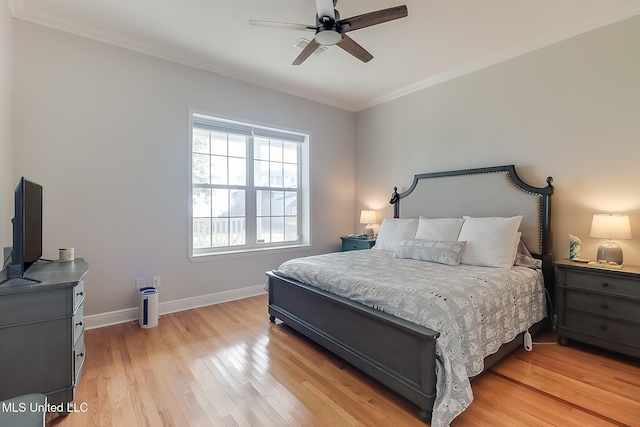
x: 494, y: 191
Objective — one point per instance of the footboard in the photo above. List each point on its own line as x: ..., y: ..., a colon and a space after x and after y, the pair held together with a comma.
x: 399, y: 354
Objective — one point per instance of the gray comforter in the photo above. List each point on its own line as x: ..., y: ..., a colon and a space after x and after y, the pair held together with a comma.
x: 475, y: 309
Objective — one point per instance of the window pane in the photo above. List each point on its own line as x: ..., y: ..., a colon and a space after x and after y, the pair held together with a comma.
x: 263, y: 203
x: 219, y: 143
x: 291, y: 203
x: 218, y: 170
x: 261, y: 148
x: 237, y: 203
x: 237, y: 231
x: 201, y: 233
x: 237, y: 171
x: 290, y: 176
x: 277, y: 203
x: 200, y: 168
x: 277, y: 229
x: 220, y: 203
x: 263, y: 229
x: 290, y: 152
x: 275, y: 174
x: 201, y: 202
x: 200, y: 141
x: 220, y: 232
x: 238, y: 146
x: 261, y: 173
x: 275, y: 153
x: 291, y: 229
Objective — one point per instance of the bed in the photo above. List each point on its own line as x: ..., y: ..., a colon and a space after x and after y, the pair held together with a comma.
x: 370, y: 324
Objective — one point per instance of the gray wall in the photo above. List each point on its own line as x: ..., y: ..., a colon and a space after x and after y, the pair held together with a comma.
x: 6, y: 177
x: 105, y: 131
x: 570, y: 110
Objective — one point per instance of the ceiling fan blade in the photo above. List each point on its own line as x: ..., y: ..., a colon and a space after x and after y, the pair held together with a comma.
x: 282, y: 25
x: 351, y: 46
x: 373, y: 18
x: 325, y: 8
x: 306, y: 52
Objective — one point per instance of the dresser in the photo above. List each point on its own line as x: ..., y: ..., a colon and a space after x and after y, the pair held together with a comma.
x: 350, y: 243
x: 599, y: 306
x: 42, y: 333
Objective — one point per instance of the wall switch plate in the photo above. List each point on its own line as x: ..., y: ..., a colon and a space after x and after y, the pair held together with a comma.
x: 140, y: 283
x: 156, y: 282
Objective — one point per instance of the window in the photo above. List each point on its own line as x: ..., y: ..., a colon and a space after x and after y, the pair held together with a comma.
x: 248, y: 187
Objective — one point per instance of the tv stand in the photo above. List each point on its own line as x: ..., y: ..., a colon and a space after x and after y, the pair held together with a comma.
x: 42, y: 332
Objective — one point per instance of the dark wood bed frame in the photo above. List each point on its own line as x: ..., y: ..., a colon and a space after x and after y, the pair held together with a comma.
x: 398, y: 353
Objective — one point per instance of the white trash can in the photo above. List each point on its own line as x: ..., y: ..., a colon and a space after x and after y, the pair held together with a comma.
x: 148, y: 308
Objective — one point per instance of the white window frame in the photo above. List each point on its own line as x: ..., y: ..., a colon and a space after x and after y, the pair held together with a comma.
x: 201, y: 120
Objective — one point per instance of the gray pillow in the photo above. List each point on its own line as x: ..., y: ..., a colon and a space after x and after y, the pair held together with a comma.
x: 448, y: 253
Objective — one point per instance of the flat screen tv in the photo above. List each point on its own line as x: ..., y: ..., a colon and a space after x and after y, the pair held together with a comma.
x: 27, y: 229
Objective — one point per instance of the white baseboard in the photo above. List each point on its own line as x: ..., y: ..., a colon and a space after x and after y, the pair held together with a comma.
x: 128, y: 314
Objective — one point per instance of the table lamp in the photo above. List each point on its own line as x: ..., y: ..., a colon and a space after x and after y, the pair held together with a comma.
x: 610, y: 226
x: 369, y: 218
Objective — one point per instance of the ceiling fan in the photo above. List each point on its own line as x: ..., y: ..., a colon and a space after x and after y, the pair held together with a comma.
x: 331, y: 30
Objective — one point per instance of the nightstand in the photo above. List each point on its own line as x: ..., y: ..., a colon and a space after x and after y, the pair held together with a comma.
x: 599, y: 306
x: 355, y: 244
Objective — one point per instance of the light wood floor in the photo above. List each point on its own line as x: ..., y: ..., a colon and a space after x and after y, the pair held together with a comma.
x: 227, y: 365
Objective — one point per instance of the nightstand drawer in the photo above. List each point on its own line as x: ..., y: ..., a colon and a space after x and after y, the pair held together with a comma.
x: 355, y: 244
x: 595, y: 281
x: 605, y: 328
x: 605, y: 305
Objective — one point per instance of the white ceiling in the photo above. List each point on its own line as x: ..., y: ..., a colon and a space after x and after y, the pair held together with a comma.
x: 439, y: 40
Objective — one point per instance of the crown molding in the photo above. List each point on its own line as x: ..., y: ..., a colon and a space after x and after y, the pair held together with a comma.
x: 20, y: 11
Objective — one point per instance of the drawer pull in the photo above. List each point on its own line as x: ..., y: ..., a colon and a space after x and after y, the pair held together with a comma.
x: 79, y: 294
x: 80, y: 323
x: 605, y: 285
x: 603, y: 327
x: 80, y: 355
x: 604, y: 306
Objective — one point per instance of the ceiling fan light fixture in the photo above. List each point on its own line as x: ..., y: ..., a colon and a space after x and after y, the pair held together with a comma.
x: 327, y: 37
x: 302, y: 43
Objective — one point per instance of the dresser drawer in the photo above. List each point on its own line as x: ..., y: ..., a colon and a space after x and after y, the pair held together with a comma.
x: 78, y: 323
x: 603, y: 304
x: 78, y: 295
x: 33, y: 306
x: 79, y: 353
x: 607, y: 283
x: 601, y: 327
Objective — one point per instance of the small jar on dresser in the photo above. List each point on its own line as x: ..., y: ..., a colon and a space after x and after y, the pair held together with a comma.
x: 599, y: 306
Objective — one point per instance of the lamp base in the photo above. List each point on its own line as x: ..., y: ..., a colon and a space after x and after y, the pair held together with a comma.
x: 610, y: 252
x: 368, y: 231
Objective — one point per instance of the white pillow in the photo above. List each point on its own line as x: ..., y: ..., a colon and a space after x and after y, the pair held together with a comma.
x: 433, y: 251
x: 439, y: 229
x: 393, y: 231
x: 490, y: 241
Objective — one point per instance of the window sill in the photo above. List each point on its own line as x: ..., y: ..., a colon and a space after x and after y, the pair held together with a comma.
x: 248, y: 252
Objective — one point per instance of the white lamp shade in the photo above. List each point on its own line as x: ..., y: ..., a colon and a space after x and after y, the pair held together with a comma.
x: 610, y: 226
x: 368, y: 217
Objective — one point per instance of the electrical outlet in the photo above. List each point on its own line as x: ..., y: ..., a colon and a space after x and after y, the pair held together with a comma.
x: 140, y: 283
x: 156, y: 282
